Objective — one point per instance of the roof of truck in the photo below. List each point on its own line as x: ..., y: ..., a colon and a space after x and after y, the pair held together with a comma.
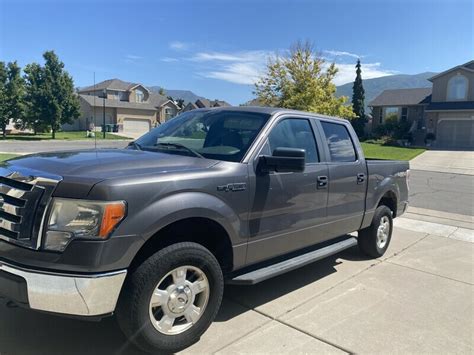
x: 269, y: 110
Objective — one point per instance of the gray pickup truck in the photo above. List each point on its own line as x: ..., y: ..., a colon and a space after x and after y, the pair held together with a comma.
x: 152, y: 232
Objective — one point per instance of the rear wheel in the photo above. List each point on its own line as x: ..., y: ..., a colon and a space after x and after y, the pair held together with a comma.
x: 170, y: 300
x: 374, y: 240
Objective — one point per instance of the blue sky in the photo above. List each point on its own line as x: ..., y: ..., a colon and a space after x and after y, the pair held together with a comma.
x: 217, y: 48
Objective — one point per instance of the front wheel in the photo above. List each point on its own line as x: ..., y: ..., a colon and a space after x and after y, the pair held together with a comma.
x: 375, y: 239
x: 170, y: 300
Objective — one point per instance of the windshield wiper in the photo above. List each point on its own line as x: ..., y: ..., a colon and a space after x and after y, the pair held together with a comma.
x: 177, y: 145
x: 135, y: 145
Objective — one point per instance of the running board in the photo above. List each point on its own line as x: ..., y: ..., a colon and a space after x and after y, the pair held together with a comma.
x: 265, y: 273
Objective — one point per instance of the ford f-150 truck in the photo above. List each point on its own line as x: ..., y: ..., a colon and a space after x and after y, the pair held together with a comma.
x: 152, y: 232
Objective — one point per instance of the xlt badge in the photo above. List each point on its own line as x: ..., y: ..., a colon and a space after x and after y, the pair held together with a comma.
x: 240, y: 186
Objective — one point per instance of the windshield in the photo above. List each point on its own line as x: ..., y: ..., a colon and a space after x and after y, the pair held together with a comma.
x: 221, y: 135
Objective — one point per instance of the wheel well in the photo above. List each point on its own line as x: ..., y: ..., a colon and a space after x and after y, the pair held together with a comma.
x: 389, y: 199
x: 206, y: 232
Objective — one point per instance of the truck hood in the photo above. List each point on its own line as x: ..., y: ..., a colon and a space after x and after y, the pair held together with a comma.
x: 80, y: 170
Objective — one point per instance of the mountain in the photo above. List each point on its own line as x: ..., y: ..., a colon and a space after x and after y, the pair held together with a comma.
x: 374, y: 87
x: 186, y: 95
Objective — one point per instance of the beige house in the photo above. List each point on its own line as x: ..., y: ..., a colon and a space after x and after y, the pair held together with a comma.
x: 445, y: 111
x: 128, y: 108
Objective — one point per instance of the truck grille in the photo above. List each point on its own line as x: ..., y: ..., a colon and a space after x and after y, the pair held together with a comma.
x: 23, y: 200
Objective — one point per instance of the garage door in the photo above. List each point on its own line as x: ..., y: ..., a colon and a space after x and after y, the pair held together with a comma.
x: 135, y: 126
x: 454, y: 133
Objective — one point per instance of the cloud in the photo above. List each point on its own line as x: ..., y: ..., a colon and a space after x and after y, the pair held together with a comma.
x: 334, y: 53
x: 169, y: 60
x: 244, y: 67
x: 133, y: 57
x: 346, y: 73
x: 177, y: 45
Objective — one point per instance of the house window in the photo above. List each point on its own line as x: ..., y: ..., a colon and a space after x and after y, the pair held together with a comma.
x: 381, y: 115
x: 457, y: 88
x: 404, y: 115
x: 168, y: 113
x: 391, y: 113
x: 139, y: 96
x: 122, y: 96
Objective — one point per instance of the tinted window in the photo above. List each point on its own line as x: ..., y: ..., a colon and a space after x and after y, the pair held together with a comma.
x: 222, y: 135
x: 339, y: 142
x: 294, y: 133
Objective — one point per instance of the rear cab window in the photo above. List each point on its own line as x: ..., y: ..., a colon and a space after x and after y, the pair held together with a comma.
x: 339, y: 142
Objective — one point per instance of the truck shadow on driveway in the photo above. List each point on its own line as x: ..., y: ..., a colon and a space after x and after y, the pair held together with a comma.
x: 29, y: 332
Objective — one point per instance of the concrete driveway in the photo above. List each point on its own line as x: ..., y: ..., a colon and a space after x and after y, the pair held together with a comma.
x: 417, y: 299
x: 455, y: 162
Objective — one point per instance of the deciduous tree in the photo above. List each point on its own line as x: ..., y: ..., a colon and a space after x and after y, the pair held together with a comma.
x: 303, y: 80
x: 11, y: 95
x: 52, y: 101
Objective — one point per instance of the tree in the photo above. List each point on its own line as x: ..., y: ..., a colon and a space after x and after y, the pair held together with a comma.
x: 302, y: 81
x: 358, y: 102
x: 3, y: 109
x: 161, y: 92
x: 12, y: 95
x: 50, y: 93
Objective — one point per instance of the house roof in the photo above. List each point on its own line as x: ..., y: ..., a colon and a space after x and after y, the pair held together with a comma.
x: 99, y: 102
x: 112, y: 84
x: 220, y: 103
x: 157, y: 99
x: 451, y: 105
x: 464, y: 66
x: 402, y: 97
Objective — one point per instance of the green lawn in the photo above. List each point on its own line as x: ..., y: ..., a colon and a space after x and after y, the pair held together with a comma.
x: 7, y: 156
x: 377, y: 151
x: 74, y: 135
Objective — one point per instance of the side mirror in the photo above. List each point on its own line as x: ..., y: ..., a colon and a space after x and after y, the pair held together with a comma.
x: 283, y: 160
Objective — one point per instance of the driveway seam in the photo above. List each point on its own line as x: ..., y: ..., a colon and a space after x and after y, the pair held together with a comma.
x: 290, y: 326
x: 246, y: 334
x: 430, y: 273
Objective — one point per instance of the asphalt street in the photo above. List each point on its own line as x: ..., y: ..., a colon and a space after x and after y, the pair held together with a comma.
x: 445, y: 192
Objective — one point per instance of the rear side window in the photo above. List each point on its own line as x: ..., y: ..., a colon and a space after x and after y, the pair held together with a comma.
x: 294, y: 133
x: 339, y: 142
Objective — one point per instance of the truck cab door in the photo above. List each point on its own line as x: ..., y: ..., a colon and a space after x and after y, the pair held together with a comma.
x: 286, y: 209
x: 347, y: 174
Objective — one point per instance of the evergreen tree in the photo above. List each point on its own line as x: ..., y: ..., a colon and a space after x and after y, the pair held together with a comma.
x: 358, y: 102
x: 300, y: 81
x: 50, y: 94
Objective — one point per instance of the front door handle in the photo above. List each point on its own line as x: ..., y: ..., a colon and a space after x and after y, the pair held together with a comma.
x: 360, y: 178
x: 322, y: 182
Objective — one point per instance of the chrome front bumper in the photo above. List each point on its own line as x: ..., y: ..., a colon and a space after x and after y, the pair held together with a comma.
x: 80, y: 295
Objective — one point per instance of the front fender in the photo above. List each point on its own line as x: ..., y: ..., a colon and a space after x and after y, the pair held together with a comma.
x: 175, y: 207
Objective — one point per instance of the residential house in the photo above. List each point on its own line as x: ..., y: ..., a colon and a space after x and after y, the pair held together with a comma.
x: 130, y: 107
x: 205, y: 103
x: 446, y: 110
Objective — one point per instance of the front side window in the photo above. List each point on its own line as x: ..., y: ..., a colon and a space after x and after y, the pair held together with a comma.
x: 404, y: 115
x: 294, y: 133
x: 220, y: 135
x: 457, y: 88
x: 339, y: 142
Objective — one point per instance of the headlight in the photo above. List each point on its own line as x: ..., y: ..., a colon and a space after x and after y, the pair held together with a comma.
x: 69, y: 219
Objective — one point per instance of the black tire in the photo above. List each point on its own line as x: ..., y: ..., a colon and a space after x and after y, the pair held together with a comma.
x: 133, y: 309
x: 367, y: 239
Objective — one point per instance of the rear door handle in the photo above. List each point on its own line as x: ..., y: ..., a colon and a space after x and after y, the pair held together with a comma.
x: 360, y: 178
x: 322, y: 182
